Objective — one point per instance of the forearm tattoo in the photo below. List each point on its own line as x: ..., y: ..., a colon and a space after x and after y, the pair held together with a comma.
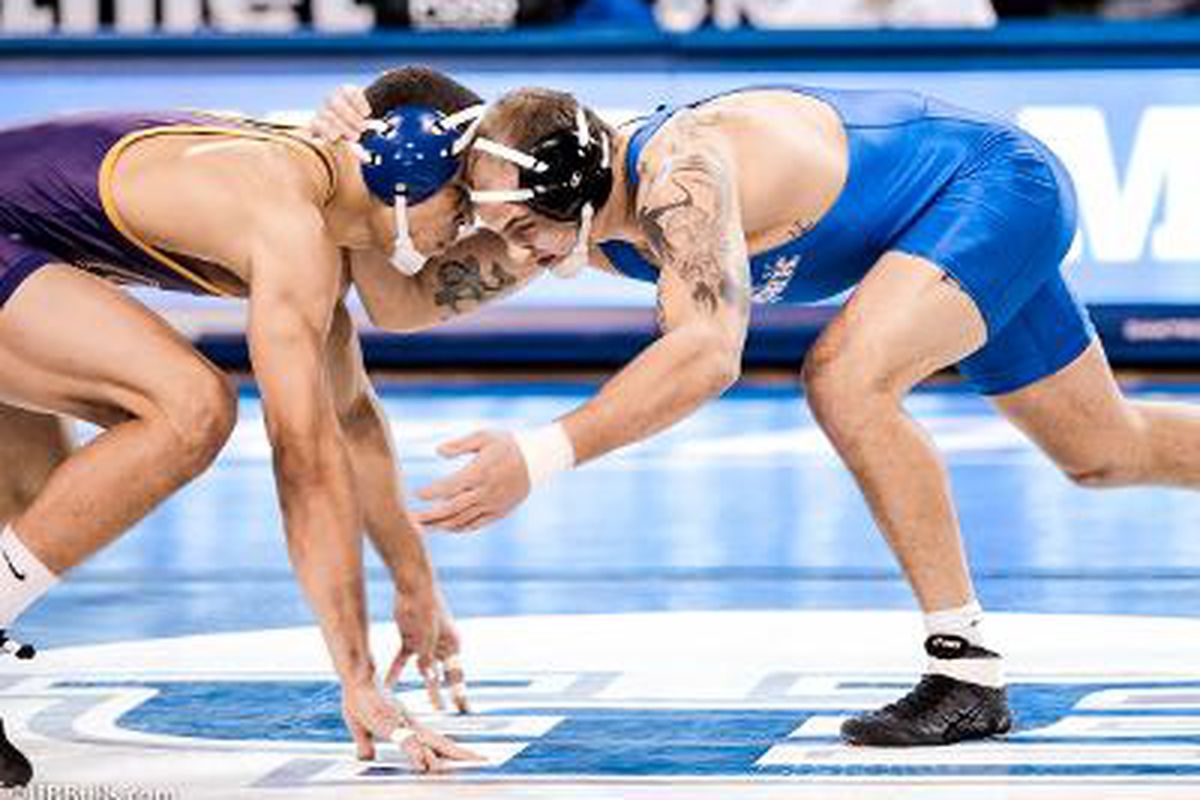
x: 687, y: 222
x: 460, y: 281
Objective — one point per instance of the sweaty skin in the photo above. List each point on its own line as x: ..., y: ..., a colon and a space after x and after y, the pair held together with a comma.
x: 259, y: 219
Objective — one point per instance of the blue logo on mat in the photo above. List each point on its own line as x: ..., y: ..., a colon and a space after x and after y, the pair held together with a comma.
x: 1063, y: 729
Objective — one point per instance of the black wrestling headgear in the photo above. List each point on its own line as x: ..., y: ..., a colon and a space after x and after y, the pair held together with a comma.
x: 561, y: 175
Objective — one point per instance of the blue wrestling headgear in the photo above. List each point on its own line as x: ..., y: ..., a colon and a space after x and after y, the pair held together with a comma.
x: 407, y: 157
x: 410, y: 153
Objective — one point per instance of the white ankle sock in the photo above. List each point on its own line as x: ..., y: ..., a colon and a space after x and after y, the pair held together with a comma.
x: 23, y: 578
x: 966, y: 621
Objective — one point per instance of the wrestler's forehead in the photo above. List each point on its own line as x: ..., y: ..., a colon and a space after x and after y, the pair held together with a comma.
x: 485, y: 173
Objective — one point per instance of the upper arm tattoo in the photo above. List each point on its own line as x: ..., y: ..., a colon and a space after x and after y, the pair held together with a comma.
x: 688, y: 219
x: 660, y: 312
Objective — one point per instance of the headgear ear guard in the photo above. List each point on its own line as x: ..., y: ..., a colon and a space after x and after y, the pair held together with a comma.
x: 407, y: 157
x: 564, y: 176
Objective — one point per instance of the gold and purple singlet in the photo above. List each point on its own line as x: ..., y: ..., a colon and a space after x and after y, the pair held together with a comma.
x: 56, y: 196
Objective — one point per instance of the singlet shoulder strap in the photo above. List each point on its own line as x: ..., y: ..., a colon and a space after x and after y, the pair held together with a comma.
x: 277, y: 131
x: 623, y: 256
x: 638, y: 142
x: 626, y: 260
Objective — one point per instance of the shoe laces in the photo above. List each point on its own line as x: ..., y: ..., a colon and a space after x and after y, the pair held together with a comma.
x: 929, y: 692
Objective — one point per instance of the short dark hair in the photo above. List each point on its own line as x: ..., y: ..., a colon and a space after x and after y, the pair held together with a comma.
x: 419, y: 86
x: 524, y: 117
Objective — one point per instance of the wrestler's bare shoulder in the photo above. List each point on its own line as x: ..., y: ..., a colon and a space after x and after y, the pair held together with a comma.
x: 787, y: 152
x: 765, y: 117
x: 197, y: 194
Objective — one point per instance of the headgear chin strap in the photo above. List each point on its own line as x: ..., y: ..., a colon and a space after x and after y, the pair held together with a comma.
x: 566, y: 176
x: 573, y: 264
x: 407, y: 157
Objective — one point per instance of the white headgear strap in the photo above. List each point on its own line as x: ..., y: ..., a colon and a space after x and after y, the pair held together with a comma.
x: 472, y: 115
x: 513, y: 156
x: 501, y: 196
x: 464, y: 141
x: 405, y: 256
x: 573, y: 264
x: 582, y: 132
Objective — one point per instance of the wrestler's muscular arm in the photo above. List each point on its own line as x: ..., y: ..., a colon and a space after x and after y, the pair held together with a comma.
x: 294, y: 286
x: 425, y: 626
x: 293, y: 289
x: 465, y: 276
x: 688, y: 211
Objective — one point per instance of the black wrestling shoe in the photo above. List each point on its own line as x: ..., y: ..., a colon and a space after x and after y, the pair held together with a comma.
x: 12, y: 647
x: 939, y: 710
x: 15, y: 769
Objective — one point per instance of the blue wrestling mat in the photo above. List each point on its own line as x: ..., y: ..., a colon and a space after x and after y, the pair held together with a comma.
x: 690, y: 618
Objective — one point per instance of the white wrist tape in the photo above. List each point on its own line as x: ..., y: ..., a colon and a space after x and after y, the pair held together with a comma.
x: 547, y: 451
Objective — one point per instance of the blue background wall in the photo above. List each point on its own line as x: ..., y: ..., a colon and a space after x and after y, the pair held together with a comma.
x: 1120, y: 103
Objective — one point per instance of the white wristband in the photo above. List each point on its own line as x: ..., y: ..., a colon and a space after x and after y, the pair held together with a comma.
x: 547, y: 450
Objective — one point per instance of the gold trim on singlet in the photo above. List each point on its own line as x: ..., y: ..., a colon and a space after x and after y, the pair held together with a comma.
x: 240, y: 128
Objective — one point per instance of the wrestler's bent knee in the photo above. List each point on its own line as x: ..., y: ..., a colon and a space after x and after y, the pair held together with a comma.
x: 202, y: 416
x: 838, y: 390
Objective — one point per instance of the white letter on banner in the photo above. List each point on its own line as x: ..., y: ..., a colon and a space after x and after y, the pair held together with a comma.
x: 268, y: 16
x: 79, y: 16
x: 1163, y: 163
x: 342, y: 16
x: 1177, y: 238
x: 182, y: 16
x: 25, y: 16
x: 133, y: 16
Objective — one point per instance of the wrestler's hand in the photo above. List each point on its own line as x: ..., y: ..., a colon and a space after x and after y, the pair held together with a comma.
x: 373, y: 716
x: 483, y: 491
x: 343, y: 116
x: 427, y: 632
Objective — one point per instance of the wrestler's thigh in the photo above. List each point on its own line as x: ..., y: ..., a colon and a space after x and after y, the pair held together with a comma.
x: 905, y: 321
x: 73, y: 344
x: 1077, y: 415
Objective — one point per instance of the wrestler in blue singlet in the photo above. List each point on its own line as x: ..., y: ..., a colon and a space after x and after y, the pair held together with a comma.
x: 977, y: 196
